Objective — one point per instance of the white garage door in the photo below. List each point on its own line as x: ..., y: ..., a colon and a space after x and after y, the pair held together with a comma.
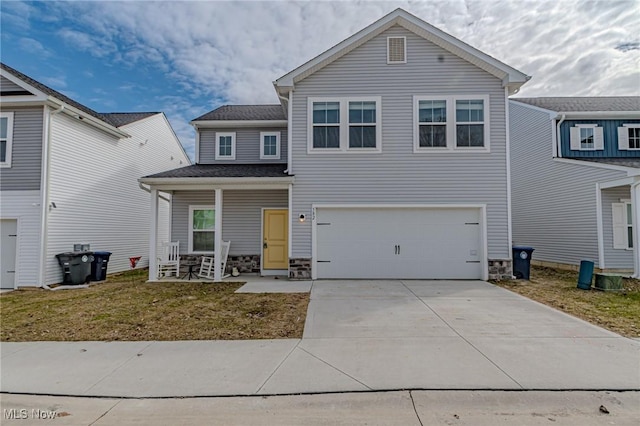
x: 427, y: 243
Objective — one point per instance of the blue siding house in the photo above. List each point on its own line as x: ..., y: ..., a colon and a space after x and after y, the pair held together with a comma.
x: 576, y: 179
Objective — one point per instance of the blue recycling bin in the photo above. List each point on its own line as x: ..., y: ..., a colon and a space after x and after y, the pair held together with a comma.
x: 99, y: 265
x: 586, y: 275
x: 521, y: 261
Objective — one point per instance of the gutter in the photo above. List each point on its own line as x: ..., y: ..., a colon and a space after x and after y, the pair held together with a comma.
x: 81, y: 115
x: 146, y: 189
x: 558, y: 136
x: 215, y: 181
x: 44, y: 188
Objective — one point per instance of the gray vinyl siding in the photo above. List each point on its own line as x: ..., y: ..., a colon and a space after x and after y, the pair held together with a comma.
x: 7, y: 85
x: 26, y: 156
x: 241, y: 216
x: 397, y: 175
x: 614, y: 258
x: 247, y: 145
x: 553, y: 203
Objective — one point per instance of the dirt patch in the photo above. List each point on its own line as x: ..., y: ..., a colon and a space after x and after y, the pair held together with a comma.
x: 127, y: 308
x: 616, y: 311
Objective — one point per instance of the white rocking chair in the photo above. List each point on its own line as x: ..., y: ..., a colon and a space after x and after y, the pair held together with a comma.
x: 208, y: 262
x: 169, y: 262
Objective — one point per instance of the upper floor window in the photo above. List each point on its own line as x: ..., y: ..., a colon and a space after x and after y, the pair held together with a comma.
x: 344, y: 124
x: 6, y: 138
x: 226, y: 146
x: 270, y: 145
x: 444, y: 123
x: 629, y: 136
x: 586, y: 137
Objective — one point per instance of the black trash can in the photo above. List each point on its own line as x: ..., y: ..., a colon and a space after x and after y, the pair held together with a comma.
x: 521, y: 261
x: 76, y: 266
x: 99, y: 265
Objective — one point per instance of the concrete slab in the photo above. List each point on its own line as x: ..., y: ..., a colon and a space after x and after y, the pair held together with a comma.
x: 452, y: 288
x: 372, y: 317
x: 271, y: 285
x: 411, y: 363
x: 197, y: 368
x: 64, y: 368
x: 526, y: 408
x: 303, y: 373
x: 359, y: 288
x: 29, y: 409
x: 389, y: 408
x: 9, y: 348
x: 516, y: 317
x: 566, y: 363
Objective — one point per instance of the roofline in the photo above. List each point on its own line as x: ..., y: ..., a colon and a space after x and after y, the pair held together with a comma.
x: 552, y: 114
x: 194, y: 182
x: 599, y: 114
x: 204, y: 124
x: 46, y: 99
x: 631, y: 171
x: 512, y: 78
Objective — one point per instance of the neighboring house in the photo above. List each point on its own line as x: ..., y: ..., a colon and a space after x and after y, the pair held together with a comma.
x: 386, y: 158
x: 70, y: 175
x: 575, y: 164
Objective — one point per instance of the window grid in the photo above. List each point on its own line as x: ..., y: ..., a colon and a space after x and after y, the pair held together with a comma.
x: 471, y: 113
x: 629, y: 215
x: 202, y: 229
x: 362, y: 124
x: 224, y: 146
x: 432, y: 119
x: 326, y: 124
x: 270, y: 145
x: 587, y: 138
x: 634, y: 137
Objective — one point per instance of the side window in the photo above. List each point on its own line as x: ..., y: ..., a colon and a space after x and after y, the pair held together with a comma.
x: 326, y: 125
x: 586, y: 137
x: 470, y: 123
x: 226, y: 146
x: 629, y: 136
x: 6, y: 138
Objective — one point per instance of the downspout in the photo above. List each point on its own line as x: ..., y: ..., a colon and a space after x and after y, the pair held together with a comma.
x: 559, y: 137
x: 141, y: 185
x: 44, y: 187
x: 635, y: 199
x: 289, y: 112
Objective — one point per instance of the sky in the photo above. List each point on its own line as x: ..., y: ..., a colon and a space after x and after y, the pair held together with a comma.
x: 187, y: 58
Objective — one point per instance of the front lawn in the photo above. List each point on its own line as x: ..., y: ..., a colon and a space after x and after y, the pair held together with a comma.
x: 127, y: 308
x: 616, y: 311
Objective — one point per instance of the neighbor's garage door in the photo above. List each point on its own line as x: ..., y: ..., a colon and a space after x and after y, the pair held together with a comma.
x: 399, y: 243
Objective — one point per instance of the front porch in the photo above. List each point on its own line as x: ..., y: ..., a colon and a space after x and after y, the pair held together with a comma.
x: 251, y: 212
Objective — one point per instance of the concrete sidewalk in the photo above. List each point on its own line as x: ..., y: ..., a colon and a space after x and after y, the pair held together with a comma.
x: 359, y: 336
x: 373, y: 408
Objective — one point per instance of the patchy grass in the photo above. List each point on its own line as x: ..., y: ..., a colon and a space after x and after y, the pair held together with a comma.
x: 127, y: 308
x: 616, y: 311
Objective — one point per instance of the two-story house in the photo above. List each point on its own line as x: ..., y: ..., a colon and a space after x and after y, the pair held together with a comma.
x: 387, y: 157
x: 69, y: 175
x: 576, y: 179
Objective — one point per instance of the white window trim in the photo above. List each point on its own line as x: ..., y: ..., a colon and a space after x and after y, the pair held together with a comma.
x: 9, y: 149
x: 190, y: 229
x: 404, y: 42
x: 451, y: 124
x: 233, y: 146
x: 344, y: 125
x: 633, y: 126
x: 598, y: 137
x: 262, y: 154
x: 624, y: 203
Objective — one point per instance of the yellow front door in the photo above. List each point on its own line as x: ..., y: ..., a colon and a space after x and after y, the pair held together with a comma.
x: 275, y: 239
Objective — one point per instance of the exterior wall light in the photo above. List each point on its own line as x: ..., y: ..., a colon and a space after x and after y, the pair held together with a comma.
x: 302, y: 217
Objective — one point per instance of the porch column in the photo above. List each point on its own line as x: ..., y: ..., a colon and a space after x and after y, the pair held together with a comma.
x: 153, y: 237
x: 217, y: 267
x: 635, y: 211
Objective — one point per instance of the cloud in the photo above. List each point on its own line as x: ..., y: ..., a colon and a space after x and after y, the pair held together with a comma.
x: 34, y: 47
x: 56, y: 82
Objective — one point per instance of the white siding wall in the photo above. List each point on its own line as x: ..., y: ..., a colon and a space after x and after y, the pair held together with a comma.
x: 241, y: 216
x: 554, y: 204
x: 24, y: 206
x: 397, y: 175
x: 94, y: 183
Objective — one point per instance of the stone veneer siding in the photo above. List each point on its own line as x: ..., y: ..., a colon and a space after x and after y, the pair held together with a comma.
x: 245, y: 263
x: 300, y: 268
x: 500, y: 269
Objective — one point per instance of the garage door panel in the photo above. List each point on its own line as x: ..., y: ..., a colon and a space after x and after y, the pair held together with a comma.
x: 398, y: 243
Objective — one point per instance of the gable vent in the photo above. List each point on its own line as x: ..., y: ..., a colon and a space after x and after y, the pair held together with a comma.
x: 396, y: 50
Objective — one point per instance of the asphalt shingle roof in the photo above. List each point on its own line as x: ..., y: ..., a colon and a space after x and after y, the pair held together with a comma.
x: 225, y: 171
x: 123, y: 118
x: 626, y: 162
x: 245, y: 112
x: 585, y: 104
x: 114, y: 119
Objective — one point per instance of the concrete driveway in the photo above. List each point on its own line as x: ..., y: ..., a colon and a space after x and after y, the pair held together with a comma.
x: 359, y: 336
